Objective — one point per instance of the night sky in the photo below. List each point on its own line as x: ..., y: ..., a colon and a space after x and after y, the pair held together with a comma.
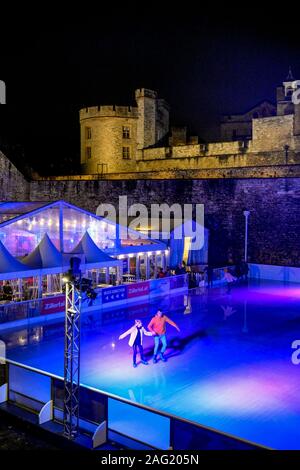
x: 203, y: 63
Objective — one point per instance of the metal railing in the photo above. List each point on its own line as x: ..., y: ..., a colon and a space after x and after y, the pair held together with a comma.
x: 217, y: 279
x: 13, y: 311
x: 24, y: 310
x: 41, y: 393
x: 218, y: 274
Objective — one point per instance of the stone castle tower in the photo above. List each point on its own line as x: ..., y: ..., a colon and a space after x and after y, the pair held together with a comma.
x: 285, y: 103
x: 284, y: 96
x: 112, y: 136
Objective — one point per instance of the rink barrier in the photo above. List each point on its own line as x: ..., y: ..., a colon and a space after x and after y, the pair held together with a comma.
x: 101, y: 413
x: 270, y: 272
x: 35, y: 311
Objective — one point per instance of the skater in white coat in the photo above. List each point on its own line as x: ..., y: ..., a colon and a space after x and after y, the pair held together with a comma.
x: 136, y: 333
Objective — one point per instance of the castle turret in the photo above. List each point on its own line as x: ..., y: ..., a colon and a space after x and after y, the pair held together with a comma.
x: 112, y: 135
x: 284, y: 96
x: 108, y: 138
x: 146, y: 128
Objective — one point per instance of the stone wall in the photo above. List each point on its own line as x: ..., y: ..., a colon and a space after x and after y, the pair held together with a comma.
x: 188, y: 160
x: 274, y: 223
x: 264, y: 150
x: 273, y: 133
x: 13, y: 185
x: 266, y: 170
x: 192, y: 150
x: 237, y: 126
x: 162, y: 119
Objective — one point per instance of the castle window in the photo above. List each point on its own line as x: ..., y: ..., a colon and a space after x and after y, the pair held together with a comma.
x: 126, y: 153
x: 88, y: 152
x: 88, y: 133
x: 126, y: 132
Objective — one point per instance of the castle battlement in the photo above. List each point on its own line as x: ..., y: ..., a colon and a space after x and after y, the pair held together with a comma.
x: 111, y: 136
x: 108, y: 111
x: 145, y: 93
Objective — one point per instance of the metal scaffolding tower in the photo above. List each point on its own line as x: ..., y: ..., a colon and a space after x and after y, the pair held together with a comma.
x: 72, y: 358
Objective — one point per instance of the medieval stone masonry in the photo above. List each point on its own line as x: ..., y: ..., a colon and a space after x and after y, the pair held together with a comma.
x: 134, y: 142
x: 112, y: 137
x: 261, y: 174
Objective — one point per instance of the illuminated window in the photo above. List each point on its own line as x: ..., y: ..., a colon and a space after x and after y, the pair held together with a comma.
x: 126, y: 153
x: 126, y: 132
x: 88, y: 133
x: 88, y: 152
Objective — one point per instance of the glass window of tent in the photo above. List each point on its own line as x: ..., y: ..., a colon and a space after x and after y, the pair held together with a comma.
x: 22, y: 234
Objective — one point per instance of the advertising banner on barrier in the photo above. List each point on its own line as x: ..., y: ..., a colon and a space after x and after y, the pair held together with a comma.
x: 177, y: 282
x: 160, y: 286
x: 113, y: 294
x: 53, y: 305
x: 138, y: 290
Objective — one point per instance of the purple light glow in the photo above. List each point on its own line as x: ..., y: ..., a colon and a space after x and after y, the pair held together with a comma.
x: 260, y: 387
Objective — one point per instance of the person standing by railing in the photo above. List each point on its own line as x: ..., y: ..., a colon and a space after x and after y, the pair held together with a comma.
x: 160, y: 273
x: 7, y: 292
x: 230, y: 279
x: 181, y: 269
x: 209, y: 274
